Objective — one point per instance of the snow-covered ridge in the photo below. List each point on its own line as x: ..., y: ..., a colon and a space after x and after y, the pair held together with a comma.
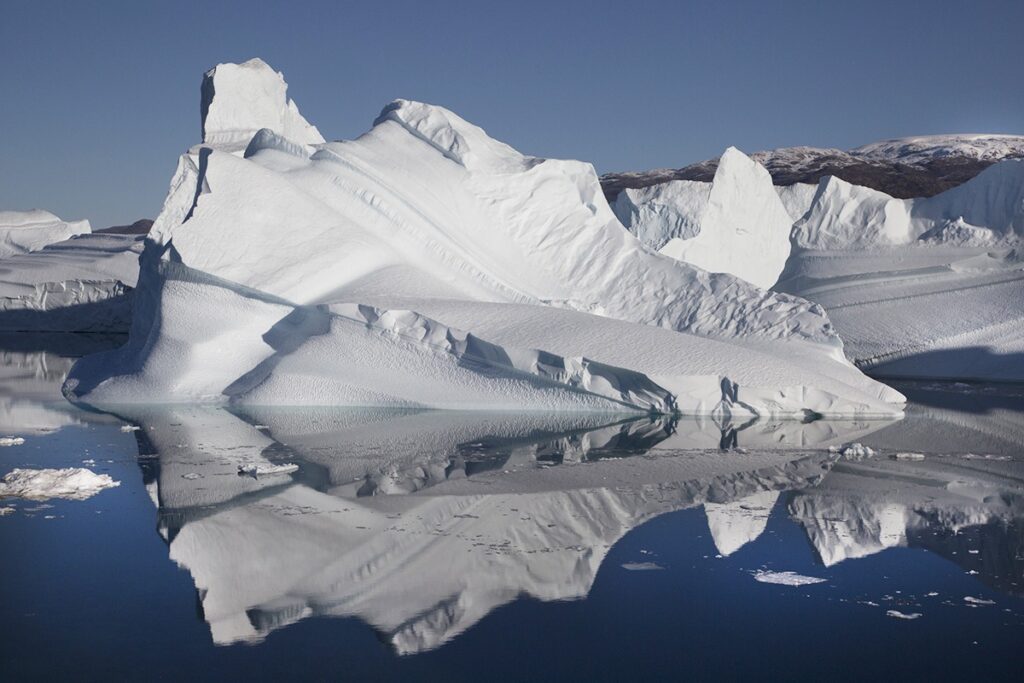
x: 260, y: 242
x: 925, y: 148
x: 26, y: 231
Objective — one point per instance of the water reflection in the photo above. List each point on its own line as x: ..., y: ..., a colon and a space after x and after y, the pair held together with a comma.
x: 421, y: 522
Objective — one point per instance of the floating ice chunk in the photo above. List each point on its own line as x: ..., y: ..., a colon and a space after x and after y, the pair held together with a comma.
x: 130, y: 428
x: 260, y: 470
x: 11, y: 440
x: 641, y: 566
x: 7, y: 510
x: 896, y: 614
x: 853, y: 451
x: 909, y: 456
x: 785, y: 578
x: 72, y: 483
x: 978, y: 601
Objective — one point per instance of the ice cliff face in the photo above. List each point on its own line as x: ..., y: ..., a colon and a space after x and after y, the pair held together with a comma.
x: 25, y: 231
x: 737, y: 225
x: 425, y: 221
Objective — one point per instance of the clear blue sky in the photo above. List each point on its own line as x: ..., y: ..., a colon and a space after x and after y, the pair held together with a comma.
x: 100, y: 98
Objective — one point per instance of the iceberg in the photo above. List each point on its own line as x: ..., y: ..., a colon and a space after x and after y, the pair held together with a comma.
x: 82, y: 284
x: 737, y: 224
x: 425, y: 264
x: 25, y: 231
x: 926, y: 287
x: 72, y: 483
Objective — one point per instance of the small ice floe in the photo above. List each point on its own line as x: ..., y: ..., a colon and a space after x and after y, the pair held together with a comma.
x: 785, y: 578
x: 909, y: 456
x: 72, y: 483
x: 975, y: 456
x: 6, y: 510
x: 261, y: 470
x: 896, y: 614
x: 130, y: 428
x: 853, y: 451
x: 89, y: 462
x: 932, y: 594
x: 641, y: 566
x: 191, y: 476
x: 977, y: 602
x: 11, y: 440
x: 261, y: 426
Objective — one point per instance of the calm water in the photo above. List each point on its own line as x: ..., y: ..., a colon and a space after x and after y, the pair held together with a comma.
x: 422, y: 545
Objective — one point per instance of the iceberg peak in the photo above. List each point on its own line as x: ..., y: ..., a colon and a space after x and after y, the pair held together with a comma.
x: 240, y: 99
x: 456, y: 138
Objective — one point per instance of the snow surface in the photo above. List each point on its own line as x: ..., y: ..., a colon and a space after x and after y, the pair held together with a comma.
x: 735, y: 225
x: 71, y: 483
x: 425, y: 264
x: 25, y: 231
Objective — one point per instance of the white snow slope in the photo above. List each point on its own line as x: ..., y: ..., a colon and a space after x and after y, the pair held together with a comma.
x: 736, y: 225
x: 25, y: 231
x: 427, y: 264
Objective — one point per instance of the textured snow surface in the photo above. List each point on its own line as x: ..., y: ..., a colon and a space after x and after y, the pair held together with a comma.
x: 737, y: 225
x: 362, y: 272
x: 25, y: 231
x: 72, y: 483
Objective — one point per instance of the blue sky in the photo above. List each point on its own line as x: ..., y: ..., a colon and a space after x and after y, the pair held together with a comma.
x: 99, y: 99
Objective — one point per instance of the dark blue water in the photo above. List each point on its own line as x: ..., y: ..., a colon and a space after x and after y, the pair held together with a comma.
x: 438, y: 547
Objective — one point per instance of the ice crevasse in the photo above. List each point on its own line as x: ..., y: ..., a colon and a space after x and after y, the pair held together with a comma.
x: 426, y: 264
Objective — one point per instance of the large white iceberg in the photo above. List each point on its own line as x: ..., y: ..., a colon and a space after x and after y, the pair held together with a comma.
x: 83, y: 284
x: 736, y: 224
x: 25, y: 231
x: 920, y: 287
x: 426, y: 264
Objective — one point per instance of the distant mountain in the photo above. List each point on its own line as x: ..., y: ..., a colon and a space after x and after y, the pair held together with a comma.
x: 904, y: 167
x: 139, y: 227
